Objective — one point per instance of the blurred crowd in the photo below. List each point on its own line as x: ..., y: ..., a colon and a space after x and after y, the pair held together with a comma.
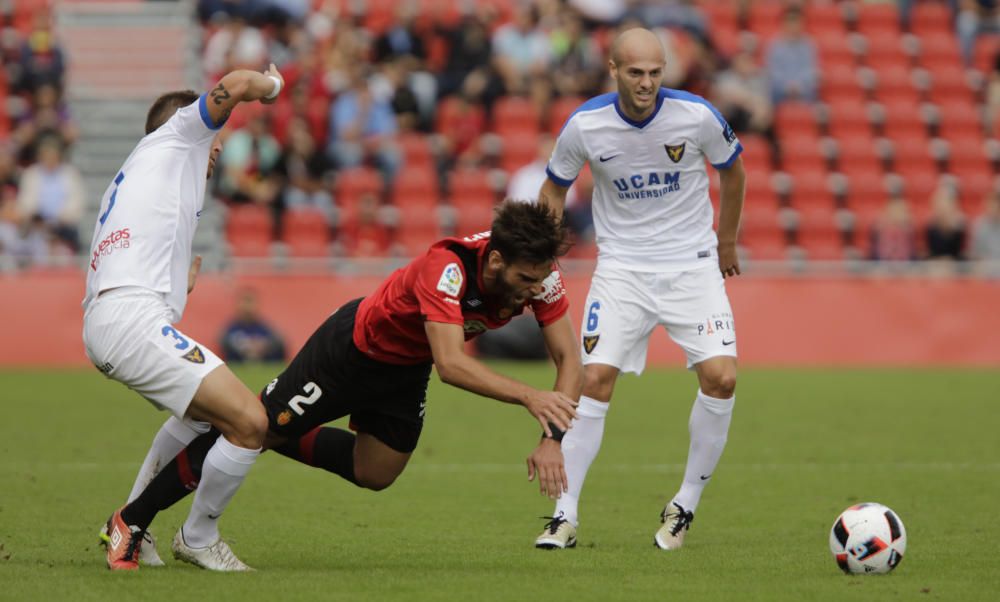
x: 479, y: 85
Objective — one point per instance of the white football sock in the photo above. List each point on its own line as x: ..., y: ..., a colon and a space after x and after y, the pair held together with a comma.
x: 173, y: 436
x: 579, y: 447
x: 709, y: 427
x: 222, y: 473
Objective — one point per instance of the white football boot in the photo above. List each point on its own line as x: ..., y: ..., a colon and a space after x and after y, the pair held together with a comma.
x: 216, y: 557
x: 676, y: 521
x: 558, y: 534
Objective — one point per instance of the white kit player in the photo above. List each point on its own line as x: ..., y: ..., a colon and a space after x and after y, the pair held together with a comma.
x: 138, y: 279
x: 659, y: 262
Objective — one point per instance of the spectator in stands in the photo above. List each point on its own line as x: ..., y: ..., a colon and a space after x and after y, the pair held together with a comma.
x: 893, y: 237
x: 234, y: 45
x: 52, y: 191
x: 985, y: 244
x: 742, y: 96
x: 521, y: 51
x: 791, y: 61
x: 390, y: 84
x: 9, y: 217
x: 973, y: 18
x: 577, y: 67
x: 402, y: 46
x: 674, y: 14
x: 41, y: 58
x: 45, y: 115
x: 304, y: 170
x: 469, y: 57
x: 362, y: 127
x: 249, y: 162
x: 247, y: 338
x: 945, y: 231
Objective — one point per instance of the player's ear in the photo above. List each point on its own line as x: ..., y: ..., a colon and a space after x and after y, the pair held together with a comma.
x: 496, y: 261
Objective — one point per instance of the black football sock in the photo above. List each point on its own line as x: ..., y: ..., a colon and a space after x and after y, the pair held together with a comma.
x: 177, y: 479
x: 324, y: 447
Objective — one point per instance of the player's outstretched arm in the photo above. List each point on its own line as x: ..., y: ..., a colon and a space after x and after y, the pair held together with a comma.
x: 458, y: 369
x: 553, y: 195
x: 243, y: 86
x: 732, y: 182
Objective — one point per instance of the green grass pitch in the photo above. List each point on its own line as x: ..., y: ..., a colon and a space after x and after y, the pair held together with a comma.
x: 460, y: 522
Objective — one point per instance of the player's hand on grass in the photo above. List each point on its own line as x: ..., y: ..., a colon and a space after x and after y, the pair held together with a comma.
x: 551, y: 406
x: 729, y: 261
x: 193, y: 272
x: 547, y: 463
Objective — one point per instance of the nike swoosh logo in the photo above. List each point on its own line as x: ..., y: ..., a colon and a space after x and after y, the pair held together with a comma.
x: 705, y: 478
x: 603, y: 159
x: 214, y: 516
x: 728, y: 342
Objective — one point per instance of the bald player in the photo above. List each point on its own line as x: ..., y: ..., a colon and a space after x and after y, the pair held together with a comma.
x: 659, y: 263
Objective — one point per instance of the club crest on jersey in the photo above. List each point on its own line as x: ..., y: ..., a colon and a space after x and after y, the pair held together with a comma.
x: 195, y: 356
x: 589, y: 342
x: 451, y: 280
x: 474, y: 327
x: 675, y: 152
x: 284, y: 418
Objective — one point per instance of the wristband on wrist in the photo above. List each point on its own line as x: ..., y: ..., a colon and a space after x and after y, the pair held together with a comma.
x: 276, y: 90
x: 557, y: 433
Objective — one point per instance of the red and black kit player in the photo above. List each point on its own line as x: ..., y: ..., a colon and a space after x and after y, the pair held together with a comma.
x: 372, y: 360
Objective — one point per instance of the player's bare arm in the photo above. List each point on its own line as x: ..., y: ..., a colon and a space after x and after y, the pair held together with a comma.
x: 242, y: 86
x: 733, y: 183
x: 457, y: 368
x: 547, y: 460
x: 554, y: 196
x: 193, y: 272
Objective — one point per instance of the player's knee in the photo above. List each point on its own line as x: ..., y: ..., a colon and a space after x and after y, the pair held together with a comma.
x: 373, y: 479
x: 250, y: 427
x: 721, y: 384
x: 598, y: 385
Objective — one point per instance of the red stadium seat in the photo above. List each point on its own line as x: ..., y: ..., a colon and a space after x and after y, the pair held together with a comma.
x: 248, y: 230
x: 561, y: 110
x: 893, y: 77
x: 930, y: 17
x: 857, y: 154
x: 810, y: 188
x: 885, y: 50
x: 756, y: 152
x: 878, y: 20
x: 415, y: 149
x: 453, y: 113
x: 849, y: 119
x: 833, y: 50
x: 912, y: 152
x: 796, y: 117
x: 473, y: 199
x: 518, y: 150
x: 959, y: 117
x: 354, y: 183
x: 801, y: 153
x: 415, y: 185
x: 949, y: 84
x: 940, y: 50
x: 821, y: 243
x: 764, y: 245
x: 865, y: 189
x: 515, y: 114
x: 902, y: 118
x: 415, y: 241
x: 985, y: 52
x: 824, y: 17
x: 306, y: 233
x: 974, y: 184
x: 840, y: 84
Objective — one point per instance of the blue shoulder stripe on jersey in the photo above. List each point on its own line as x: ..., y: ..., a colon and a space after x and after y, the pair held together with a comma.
x: 560, y: 181
x: 205, y: 117
x: 732, y: 158
x: 689, y: 97
x: 594, y: 103
x: 641, y: 124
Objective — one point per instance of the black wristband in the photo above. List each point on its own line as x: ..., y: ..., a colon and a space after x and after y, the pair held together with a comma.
x: 557, y: 433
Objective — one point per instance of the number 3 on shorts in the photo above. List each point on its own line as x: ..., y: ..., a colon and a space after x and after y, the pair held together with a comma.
x: 182, y: 343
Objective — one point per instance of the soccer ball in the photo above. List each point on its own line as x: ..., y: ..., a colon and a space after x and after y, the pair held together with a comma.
x: 868, y: 538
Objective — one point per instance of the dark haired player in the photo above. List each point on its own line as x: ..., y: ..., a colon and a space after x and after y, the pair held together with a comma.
x: 372, y: 360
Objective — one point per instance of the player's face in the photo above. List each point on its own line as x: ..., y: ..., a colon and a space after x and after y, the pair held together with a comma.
x: 638, y: 84
x: 520, y: 281
x: 213, y: 156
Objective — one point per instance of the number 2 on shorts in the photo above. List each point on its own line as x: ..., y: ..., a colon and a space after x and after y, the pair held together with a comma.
x: 296, y: 403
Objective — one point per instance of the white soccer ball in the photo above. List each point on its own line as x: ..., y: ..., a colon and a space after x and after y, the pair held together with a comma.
x: 868, y: 538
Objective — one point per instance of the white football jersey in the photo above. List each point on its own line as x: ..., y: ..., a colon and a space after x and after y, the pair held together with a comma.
x: 651, y: 206
x: 150, y: 211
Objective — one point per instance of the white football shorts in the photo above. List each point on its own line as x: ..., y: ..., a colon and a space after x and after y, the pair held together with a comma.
x: 624, y: 307
x: 128, y: 336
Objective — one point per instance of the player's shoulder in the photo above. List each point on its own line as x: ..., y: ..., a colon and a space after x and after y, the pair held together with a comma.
x: 592, y: 108
x: 688, y: 100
